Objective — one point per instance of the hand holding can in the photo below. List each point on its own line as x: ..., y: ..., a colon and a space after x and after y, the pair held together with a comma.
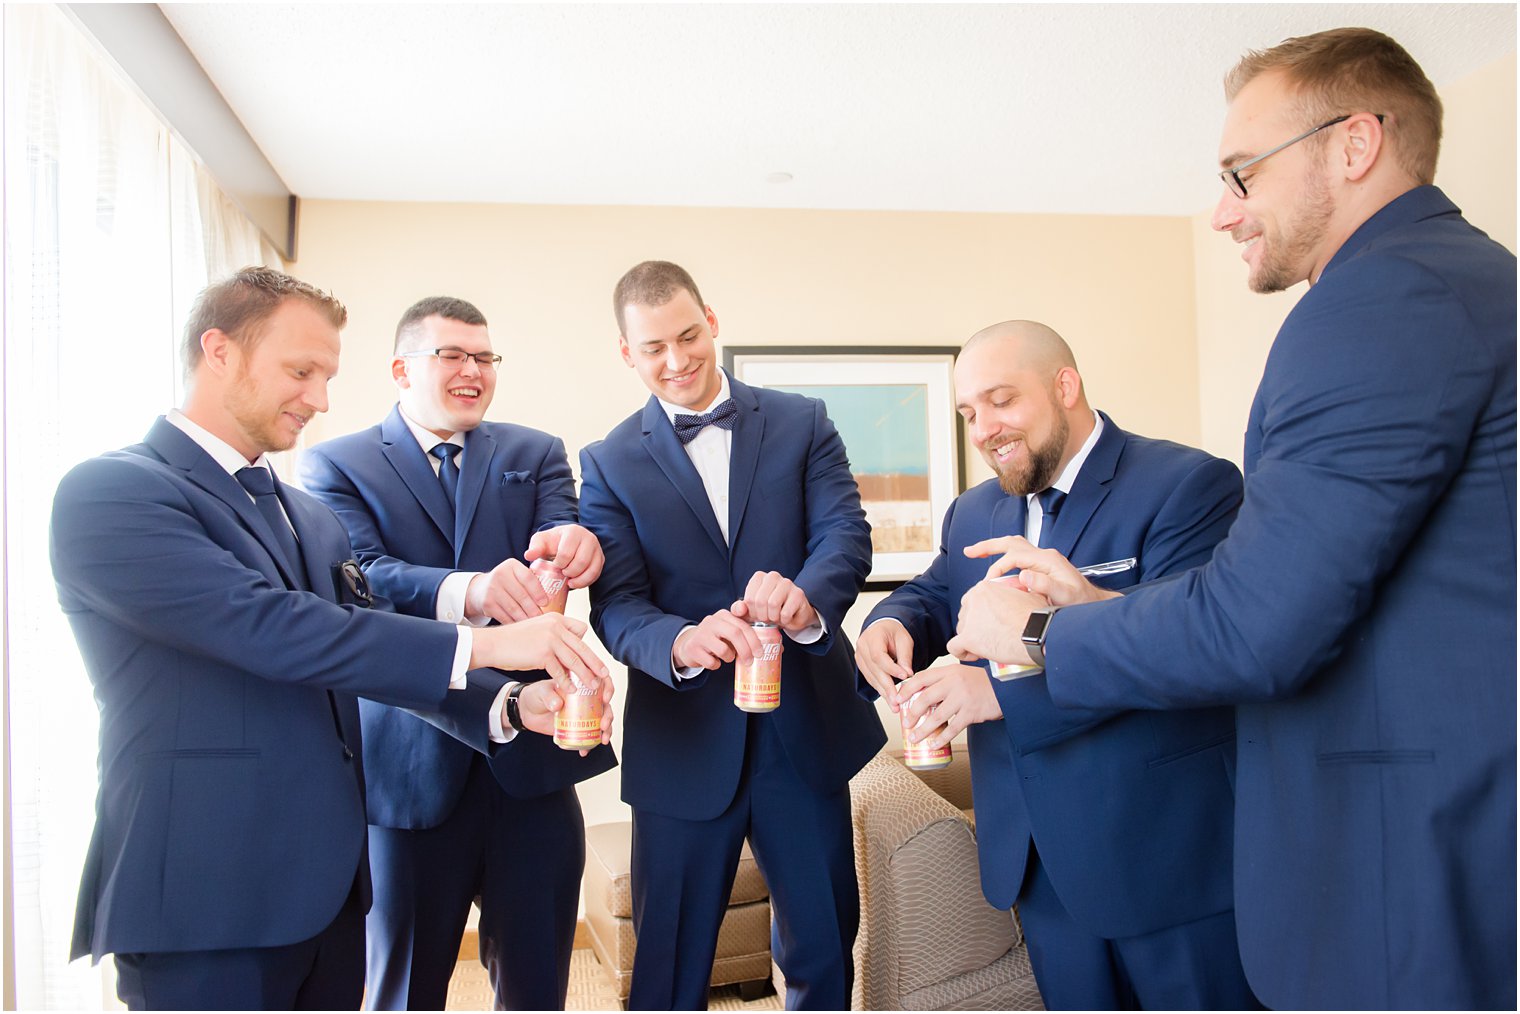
x: 921, y: 756
x: 553, y: 581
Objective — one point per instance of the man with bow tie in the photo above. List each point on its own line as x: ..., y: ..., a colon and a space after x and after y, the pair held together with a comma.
x: 1109, y: 828
x: 718, y: 504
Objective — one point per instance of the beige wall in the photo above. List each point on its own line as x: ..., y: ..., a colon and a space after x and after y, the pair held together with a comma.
x: 1235, y: 326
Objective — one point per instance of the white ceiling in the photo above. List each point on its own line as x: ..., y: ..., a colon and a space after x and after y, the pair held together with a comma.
x: 1103, y: 108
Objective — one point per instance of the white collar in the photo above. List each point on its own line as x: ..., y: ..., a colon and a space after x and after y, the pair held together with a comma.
x: 426, y: 438
x: 224, y: 454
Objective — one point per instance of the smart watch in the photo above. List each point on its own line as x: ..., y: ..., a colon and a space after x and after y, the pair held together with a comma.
x: 1034, y: 633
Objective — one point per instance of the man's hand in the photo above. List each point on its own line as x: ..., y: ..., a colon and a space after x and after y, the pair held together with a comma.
x: 508, y: 593
x: 991, y: 625
x: 771, y: 598
x: 573, y: 549
x: 940, y: 702
x: 721, y: 637
x: 539, y: 701
x: 1042, y: 571
x: 550, y: 642
x: 884, y: 653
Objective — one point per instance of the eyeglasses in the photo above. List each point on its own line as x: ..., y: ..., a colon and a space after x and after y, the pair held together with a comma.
x: 1237, y: 185
x: 456, y: 357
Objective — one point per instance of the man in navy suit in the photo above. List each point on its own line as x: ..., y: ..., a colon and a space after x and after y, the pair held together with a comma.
x: 220, y: 619
x: 1362, y: 610
x: 447, y: 825
x: 1110, y: 828
x: 749, y: 514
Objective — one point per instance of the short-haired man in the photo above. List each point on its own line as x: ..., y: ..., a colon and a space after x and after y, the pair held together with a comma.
x: 1110, y: 828
x: 1362, y: 611
x: 443, y: 510
x: 719, y: 504
x: 220, y: 619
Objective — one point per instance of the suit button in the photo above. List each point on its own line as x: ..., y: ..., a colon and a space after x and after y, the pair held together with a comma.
x: 348, y: 754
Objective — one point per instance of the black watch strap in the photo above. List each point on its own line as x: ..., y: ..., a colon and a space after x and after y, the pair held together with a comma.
x: 514, y: 716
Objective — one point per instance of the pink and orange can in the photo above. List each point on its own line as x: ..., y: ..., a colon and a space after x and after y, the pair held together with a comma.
x: 578, y: 725
x: 757, y: 685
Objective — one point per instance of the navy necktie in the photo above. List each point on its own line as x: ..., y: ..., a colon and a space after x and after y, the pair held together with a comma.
x: 723, y: 417
x: 260, y: 484
x: 1050, y: 502
x: 448, y: 471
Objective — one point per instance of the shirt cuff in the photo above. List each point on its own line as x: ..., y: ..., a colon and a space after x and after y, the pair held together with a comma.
x: 500, y: 732
x: 451, y: 596
x: 807, y: 635
x: 458, y: 678
x: 689, y: 672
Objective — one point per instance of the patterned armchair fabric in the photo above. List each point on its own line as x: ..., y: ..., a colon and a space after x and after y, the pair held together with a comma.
x: 928, y: 939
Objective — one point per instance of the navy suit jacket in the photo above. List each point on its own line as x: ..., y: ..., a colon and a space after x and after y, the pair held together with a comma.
x: 1363, y: 612
x: 513, y: 481
x: 1131, y: 811
x: 793, y: 508
x: 231, y: 806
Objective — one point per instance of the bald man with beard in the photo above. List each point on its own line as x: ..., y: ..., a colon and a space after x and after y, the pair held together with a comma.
x: 1110, y: 829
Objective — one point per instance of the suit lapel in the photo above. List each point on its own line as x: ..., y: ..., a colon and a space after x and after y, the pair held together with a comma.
x: 405, y: 455
x: 1089, y: 490
x: 479, y: 451
x: 177, y: 449
x: 666, y: 450
x: 744, y: 455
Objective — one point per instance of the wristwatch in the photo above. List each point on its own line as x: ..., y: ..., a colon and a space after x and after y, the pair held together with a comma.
x: 514, y: 716
x: 1034, y: 633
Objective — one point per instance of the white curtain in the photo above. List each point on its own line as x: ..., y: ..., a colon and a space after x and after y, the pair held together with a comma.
x: 111, y: 228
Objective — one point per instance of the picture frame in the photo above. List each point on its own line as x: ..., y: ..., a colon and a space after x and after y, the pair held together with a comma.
x: 894, y: 407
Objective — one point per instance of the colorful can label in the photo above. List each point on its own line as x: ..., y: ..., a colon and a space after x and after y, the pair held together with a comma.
x: 757, y: 686
x: 553, y: 581
x: 922, y: 756
x: 578, y: 725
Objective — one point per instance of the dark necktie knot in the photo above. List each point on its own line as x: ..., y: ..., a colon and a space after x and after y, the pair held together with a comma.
x: 448, y: 470
x: 256, y: 480
x: 688, y: 426
x: 1050, y: 501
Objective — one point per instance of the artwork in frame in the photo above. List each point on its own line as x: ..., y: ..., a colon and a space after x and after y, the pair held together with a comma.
x: 895, y: 410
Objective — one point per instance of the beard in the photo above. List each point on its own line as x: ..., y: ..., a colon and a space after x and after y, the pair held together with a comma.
x: 251, y: 411
x: 1297, y: 241
x: 1040, y: 469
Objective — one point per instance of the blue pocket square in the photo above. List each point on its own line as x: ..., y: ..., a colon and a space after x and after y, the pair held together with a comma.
x: 508, y: 478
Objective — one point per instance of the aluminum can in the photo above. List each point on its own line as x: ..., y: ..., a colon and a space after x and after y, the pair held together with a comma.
x: 922, y: 756
x: 553, y: 581
x: 757, y: 686
x: 578, y: 725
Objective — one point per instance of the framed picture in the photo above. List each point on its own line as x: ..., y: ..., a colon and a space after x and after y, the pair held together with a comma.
x: 895, y: 409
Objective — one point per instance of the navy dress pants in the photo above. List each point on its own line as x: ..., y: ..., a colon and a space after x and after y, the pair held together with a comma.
x: 682, y: 872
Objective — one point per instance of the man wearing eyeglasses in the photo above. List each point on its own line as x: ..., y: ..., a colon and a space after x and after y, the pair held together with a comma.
x: 444, y: 511
x: 1362, y: 610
